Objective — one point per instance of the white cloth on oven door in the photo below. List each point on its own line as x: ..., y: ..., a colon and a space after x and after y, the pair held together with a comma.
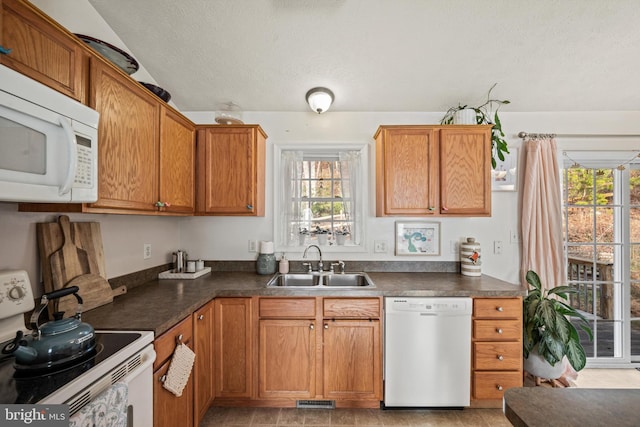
x: 179, y: 369
x: 108, y: 409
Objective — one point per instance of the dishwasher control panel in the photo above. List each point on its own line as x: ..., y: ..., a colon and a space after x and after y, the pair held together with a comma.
x: 430, y: 305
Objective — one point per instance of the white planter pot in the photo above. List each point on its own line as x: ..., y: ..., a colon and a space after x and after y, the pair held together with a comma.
x: 536, y: 365
x: 465, y: 117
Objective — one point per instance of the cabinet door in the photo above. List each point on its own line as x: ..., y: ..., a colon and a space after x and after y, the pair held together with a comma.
x: 287, y: 359
x: 232, y: 341
x: 465, y: 171
x: 169, y: 410
x: 127, y: 141
x: 203, y: 369
x: 406, y: 171
x: 42, y: 49
x: 352, y: 359
x: 231, y: 170
x: 177, y: 162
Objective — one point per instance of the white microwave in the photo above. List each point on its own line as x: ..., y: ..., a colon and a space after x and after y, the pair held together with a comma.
x: 48, y: 144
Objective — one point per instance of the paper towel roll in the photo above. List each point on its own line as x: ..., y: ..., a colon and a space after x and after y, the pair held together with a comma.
x: 266, y: 247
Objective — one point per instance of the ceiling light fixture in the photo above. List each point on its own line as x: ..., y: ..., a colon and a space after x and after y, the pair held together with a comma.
x: 319, y: 99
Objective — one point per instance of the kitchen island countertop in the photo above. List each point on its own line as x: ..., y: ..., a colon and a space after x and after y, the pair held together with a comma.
x: 160, y: 304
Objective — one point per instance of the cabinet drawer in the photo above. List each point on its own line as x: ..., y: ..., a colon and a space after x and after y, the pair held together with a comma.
x: 351, y: 307
x: 287, y: 307
x: 497, y: 308
x: 491, y: 385
x: 494, y: 330
x: 497, y: 356
x: 166, y: 343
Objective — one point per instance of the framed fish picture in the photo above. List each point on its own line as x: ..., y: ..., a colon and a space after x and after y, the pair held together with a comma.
x: 417, y: 238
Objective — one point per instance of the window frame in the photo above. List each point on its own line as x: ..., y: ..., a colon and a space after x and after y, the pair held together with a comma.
x: 362, y: 206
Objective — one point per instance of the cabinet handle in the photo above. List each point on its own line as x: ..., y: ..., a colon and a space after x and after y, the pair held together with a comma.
x: 499, y: 330
x: 500, y: 357
x: 201, y: 317
x: 445, y: 208
x: 326, y: 326
x: 249, y: 207
x: 500, y: 309
x: 499, y: 387
x: 5, y: 51
x: 179, y: 339
x: 311, y: 326
x: 163, y: 378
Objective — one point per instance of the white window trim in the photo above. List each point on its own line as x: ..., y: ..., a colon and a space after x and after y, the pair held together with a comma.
x: 363, y: 148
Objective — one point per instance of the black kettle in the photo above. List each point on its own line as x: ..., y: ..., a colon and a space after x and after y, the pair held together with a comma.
x: 56, y: 343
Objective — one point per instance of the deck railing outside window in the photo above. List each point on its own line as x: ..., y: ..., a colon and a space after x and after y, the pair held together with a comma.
x: 581, y: 274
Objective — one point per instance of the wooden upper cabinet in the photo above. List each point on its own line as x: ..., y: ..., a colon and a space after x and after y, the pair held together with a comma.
x: 42, y: 49
x: 465, y: 171
x: 424, y: 170
x: 177, y: 162
x: 231, y: 170
x: 406, y: 171
x: 128, y: 141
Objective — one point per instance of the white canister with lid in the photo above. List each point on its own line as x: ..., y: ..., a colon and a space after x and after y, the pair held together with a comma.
x: 470, y: 258
x: 283, y: 266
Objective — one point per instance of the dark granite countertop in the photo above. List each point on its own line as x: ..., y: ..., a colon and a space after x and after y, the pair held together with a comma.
x: 568, y: 407
x: 159, y: 304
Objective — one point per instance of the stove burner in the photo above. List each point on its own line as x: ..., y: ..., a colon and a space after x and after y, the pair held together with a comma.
x: 44, y: 369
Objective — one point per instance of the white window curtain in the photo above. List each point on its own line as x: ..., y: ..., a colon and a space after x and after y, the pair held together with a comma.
x: 351, y: 161
x: 542, y: 245
x: 291, y: 164
x: 291, y: 219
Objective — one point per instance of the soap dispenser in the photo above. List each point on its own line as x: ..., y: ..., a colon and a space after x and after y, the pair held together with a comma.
x: 283, y: 267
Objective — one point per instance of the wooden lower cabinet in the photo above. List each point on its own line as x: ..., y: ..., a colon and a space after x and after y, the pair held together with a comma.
x: 319, y: 349
x: 233, y: 348
x: 497, y: 349
x: 287, y: 358
x: 168, y: 409
x: 352, y: 359
x: 203, y: 370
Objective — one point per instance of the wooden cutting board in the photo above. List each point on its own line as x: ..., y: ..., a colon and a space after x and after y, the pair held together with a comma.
x: 85, y: 235
x: 94, y: 291
x: 69, y: 261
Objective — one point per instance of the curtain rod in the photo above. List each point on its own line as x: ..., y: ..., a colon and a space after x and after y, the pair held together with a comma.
x: 575, y: 135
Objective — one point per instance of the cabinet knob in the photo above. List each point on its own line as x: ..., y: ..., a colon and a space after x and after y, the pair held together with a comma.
x: 499, y: 387
x: 250, y: 207
x: 200, y: 317
x: 179, y: 339
x: 326, y: 326
x: 311, y: 326
x: 4, y: 50
x: 163, y: 378
x: 500, y: 309
x: 499, y: 330
x: 500, y: 357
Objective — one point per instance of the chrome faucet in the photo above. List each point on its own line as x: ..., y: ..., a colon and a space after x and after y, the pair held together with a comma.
x: 320, y: 264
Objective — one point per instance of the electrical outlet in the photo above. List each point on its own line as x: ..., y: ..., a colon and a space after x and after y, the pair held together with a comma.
x: 253, y: 245
x: 514, y: 237
x: 497, y: 247
x: 146, y: 251
x: 380, y: 246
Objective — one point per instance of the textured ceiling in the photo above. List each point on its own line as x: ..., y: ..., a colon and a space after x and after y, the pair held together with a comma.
x: 386, y: 55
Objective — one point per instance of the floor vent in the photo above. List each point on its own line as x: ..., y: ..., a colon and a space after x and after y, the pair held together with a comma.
x: 316, y: 404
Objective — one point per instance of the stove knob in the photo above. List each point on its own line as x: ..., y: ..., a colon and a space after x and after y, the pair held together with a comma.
x: 16, y: 293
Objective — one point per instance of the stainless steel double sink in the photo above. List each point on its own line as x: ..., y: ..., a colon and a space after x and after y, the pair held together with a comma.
x: 319, y: 280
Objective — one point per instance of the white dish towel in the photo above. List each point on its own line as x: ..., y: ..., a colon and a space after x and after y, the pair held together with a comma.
x: 108, y: 409
x: 179, y: 369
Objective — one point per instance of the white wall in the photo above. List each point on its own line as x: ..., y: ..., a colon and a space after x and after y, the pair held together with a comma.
x: 226, y: 238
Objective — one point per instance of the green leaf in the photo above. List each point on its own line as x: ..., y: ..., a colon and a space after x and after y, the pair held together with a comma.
x: 575, y: 353
x: 533, y: 279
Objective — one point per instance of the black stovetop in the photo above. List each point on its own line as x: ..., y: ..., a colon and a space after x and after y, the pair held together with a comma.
x: 20, y: 386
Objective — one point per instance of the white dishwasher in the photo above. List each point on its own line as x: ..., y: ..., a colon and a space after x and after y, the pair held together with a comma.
x: 427, y: 352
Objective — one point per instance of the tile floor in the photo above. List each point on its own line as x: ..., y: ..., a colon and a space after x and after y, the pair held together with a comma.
x: 243, y: 417
x: 352, y: 417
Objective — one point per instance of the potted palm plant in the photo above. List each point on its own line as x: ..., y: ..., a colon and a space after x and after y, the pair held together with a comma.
x: 483, y: 116
x: 548, y: 333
